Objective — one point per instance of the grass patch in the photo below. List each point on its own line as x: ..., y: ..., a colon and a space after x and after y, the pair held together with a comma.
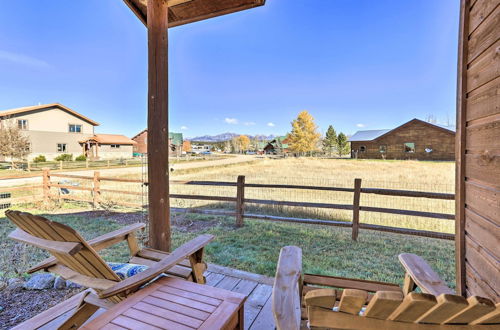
x: 255, y: 247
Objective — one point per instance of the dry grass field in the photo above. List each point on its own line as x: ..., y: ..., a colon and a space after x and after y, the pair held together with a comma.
x: 407, y: 175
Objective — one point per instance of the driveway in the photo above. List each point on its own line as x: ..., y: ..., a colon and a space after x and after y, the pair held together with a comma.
x: 133, y: 170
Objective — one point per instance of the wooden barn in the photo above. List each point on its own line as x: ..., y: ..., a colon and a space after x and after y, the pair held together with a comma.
x: 415, y: 139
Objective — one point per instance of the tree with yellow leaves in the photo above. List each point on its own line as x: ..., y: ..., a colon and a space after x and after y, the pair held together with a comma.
x: 244, y: 142
x: 186, y: 146
x: 304, y: 136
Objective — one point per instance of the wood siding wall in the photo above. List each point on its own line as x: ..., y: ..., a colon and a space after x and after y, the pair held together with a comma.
x: 478, y: 150
x: 141, y: 139
x: 441, y: 141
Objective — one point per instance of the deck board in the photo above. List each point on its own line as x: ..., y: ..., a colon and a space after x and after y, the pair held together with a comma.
x: 258, y: 315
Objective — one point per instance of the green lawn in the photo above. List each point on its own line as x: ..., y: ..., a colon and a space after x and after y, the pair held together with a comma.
x: 255, y: 247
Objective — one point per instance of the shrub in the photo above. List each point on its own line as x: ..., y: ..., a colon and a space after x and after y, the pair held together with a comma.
x: 64, y: 157
x: 81, y: 158
x: 39, y: 159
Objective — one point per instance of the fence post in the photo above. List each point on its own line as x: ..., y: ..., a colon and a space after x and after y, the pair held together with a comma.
x: 60, y: 164
x: 355, y: 209
x: 240, y: 200
x: 108, y: 162
x: 46, y: 185
x: 29, y: 166
x: 86, y: 163
x: 96, y: 189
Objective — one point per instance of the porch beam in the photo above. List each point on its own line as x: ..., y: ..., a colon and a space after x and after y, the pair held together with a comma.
x: 158, y: 174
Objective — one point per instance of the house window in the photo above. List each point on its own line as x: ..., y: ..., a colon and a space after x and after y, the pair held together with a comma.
x: 362, y: 149
x: 382, y: 149
x: 75, y: 128
x: 22, y: 124
x: 61, y: 147
x: 115, y: 146
x: 409, y: 147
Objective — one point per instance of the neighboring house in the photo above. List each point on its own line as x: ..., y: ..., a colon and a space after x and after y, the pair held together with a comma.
x: 278, y: 145
x: 259, y: 147
x: 54, y: 129
x: 107, y: 146
x: 175, y: 140
x: 415, y: 139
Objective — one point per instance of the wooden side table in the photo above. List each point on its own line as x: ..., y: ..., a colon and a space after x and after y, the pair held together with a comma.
x: 172, y: 303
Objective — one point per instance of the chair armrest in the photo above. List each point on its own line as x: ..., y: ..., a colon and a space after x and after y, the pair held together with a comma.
x: 134, y: 282
x: 114, y: 237
x: 419, y: 271
x: 287, y: 288
x: 68, y: 248
x: 97, y: 244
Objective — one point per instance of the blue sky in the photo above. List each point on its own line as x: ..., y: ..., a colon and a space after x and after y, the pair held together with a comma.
x: 355, y: 64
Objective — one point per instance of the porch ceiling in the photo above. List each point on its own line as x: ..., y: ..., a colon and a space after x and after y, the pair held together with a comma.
x: 189, y: 11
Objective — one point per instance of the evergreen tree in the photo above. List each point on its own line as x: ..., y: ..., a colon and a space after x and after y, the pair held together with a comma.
x: 304, y: 136
x: 330, y: 140
x: 342, y: 145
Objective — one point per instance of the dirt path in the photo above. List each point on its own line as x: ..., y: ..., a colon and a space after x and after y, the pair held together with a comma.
x: 134, y: 170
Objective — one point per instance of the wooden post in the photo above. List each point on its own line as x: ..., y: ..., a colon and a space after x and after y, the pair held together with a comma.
x: 355, y: 209
x: 158, y: 174
x: 108, y: 162
x: 46, y: 185
x: 240, y: 200
x: 96, y: 189
x: 60, y: 164
x: 29, y: 166
x: 86, y: 163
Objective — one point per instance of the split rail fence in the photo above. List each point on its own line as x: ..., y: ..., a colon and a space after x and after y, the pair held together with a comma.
x: 240, y: 201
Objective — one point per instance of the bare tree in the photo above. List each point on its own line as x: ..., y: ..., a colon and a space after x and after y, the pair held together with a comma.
x: 431, y: 119
x: 13, y: 144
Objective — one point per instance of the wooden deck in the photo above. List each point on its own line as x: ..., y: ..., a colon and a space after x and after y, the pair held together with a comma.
x: 258, y: 315
x: 257, y: 288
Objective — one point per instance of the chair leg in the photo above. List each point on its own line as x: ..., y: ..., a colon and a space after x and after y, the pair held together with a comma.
x: 198, y: 266
x: 408, y: 285
x: 80, y: 316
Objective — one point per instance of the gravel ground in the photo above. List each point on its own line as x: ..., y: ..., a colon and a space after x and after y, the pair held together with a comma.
x: 20, y: 305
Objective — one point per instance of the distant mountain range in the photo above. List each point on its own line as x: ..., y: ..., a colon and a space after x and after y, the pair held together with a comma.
x: 228, y: 136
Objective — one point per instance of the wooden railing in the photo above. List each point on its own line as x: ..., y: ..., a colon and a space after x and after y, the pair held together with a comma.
x: 240, y: 201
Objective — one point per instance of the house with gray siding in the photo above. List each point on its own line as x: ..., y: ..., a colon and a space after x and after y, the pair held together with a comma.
x: 54, y: 129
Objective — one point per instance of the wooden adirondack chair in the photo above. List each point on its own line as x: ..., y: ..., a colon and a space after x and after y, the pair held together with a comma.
x: 360, y: 304
x: 77, y: 260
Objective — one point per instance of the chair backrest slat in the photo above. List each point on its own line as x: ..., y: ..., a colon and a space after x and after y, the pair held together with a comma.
x: 477, y: 308
x: 413, y: 306
x: 383, y: 304
x: 86, y: 261
x: 352, y: 301
x: 490, y: 318
x: 447, y: 306
x: 22, y: 221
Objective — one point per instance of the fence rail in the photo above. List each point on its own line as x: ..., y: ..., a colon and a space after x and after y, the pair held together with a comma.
x: 240, y: 201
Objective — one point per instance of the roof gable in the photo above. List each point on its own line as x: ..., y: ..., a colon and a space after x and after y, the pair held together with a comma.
x: 415, y: 120
x: 49, y: 106
x: 110, y: 139
x: 371, y: 135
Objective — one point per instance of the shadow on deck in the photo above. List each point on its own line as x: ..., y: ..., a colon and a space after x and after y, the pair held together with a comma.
x: 257, y: 288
